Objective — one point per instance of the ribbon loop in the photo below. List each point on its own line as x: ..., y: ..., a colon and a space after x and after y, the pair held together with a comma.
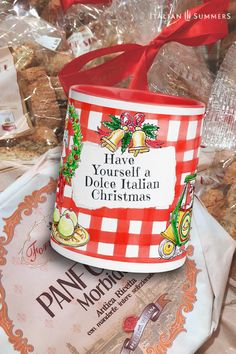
x: 126, y: 119
x: 156, y: 42
x: 138, y: 119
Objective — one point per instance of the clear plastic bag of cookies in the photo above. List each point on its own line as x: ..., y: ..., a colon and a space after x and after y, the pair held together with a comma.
x: 143, y: 20
x: 182, y: 71
x: 32, y: 103
x: 220, y: 120
x: 218, y: 190
x: 87, y: 26
x: 177, y: 69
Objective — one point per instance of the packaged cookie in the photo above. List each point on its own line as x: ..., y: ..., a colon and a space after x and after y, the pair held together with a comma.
x: 90, y: 26
x: 226, y: 44
x: 14, y: 118
x: 220, y: 122
x: 53, y: 12
x: 232, y: 12
x: 28, y: 147
x: 20, y: 24
x: 218, y: 193
x: 177, y: 70
x: 142, y: 20
x: 38, y: 5
x: 54, y: 62
x: 42, y: 98
x: 32, y: 104
x: 24, y: 57
x: 182, y: 71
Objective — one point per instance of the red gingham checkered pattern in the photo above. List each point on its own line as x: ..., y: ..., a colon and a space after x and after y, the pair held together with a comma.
x: 134, y: 234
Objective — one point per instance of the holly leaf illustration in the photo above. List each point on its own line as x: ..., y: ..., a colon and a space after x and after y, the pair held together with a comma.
x: 68, y: 179
x: 125, y: 142
x: 73, y: 158
x: 150, y: 130
x: 111, y: 125
x: 115, y: 120
x: 150, y: 127
x: 150, y: 134
x: 66, y: 173
x: 74, y: 126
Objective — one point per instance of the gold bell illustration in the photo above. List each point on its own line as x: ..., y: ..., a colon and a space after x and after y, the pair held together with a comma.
x: 112, y: 141
x: 139, y: 142
x: 168, y: 234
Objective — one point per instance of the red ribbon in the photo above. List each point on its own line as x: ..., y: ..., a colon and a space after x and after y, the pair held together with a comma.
x: 135, y: 60
x: 133, y: 121
x: 138, y: 119
x: 126, y: 119
x: 61, y: 188
x: 154, y: 143
x: 66, y: 4
x: 102, y: 133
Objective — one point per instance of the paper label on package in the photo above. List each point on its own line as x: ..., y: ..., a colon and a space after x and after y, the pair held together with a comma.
x: 80, y: 42
x: 48, y: 42
x: 12, y: 118
x: 7, y: 116
x: 110, y: 180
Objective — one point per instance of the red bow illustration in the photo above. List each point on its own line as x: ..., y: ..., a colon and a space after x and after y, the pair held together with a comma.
x: 132, y: 121
x: 126, y: 127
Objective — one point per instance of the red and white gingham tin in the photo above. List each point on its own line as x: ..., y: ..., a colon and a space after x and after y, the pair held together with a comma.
x: 125, y: 191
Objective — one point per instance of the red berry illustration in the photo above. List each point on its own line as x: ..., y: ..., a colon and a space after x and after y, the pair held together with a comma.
x: 75, y: 148
x: 130, y: 323
x: 76, y: 157
x: 131, y: 128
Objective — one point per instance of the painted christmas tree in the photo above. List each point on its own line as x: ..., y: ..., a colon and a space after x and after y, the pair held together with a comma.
x: 72, y: 160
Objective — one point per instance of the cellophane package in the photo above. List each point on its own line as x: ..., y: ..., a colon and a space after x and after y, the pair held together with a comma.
x: 177, y: 70
x: 220, y: 121
x: 32, y: 102
x: 217, y: 191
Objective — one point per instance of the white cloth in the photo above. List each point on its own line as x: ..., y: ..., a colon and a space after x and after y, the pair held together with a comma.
x: 213, y: 251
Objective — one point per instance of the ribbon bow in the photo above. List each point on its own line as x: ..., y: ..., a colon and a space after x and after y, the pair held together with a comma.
x: 132, y: 122
x: 206, y: 26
